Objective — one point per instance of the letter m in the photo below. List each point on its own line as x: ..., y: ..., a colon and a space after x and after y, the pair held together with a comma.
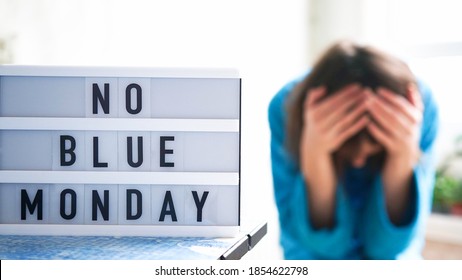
x: 37, y: 203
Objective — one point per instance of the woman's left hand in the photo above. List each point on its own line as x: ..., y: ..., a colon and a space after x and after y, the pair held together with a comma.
x: 396, y: 127
x: 397, y: 123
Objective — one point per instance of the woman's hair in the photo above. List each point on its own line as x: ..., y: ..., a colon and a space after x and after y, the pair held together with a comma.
x: 342, y: 64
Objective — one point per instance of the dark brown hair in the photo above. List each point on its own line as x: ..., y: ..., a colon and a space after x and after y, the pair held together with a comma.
x: 342, y: 64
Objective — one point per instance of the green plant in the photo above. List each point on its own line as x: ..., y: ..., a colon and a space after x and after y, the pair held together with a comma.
x: 447, y: 192
x: 456, y: 197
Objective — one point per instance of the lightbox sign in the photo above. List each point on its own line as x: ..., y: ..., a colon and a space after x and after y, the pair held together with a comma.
x: 119, y: 151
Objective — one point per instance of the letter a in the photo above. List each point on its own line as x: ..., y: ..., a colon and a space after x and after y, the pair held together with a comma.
x: 168, y: 203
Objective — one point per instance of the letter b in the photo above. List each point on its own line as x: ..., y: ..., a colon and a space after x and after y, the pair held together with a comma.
x: 63, y: 139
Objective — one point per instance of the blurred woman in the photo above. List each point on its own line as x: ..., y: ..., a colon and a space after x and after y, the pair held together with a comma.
x: 351, y: 150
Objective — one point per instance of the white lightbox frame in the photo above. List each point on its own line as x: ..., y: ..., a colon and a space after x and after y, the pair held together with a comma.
x: 120, y: 177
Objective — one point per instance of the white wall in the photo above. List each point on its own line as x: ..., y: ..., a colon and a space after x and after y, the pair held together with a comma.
x: 332, y: 20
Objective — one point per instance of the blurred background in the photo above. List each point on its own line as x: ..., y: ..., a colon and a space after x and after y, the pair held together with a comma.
x: 270, y: 42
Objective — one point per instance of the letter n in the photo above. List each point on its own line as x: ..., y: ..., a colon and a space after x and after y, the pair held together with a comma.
x: 97, y: 97
x: 98, y: 204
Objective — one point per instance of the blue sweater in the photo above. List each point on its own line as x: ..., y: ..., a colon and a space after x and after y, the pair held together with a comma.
x: 362, y: 227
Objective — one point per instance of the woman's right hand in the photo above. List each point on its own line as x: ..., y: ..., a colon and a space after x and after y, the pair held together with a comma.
x: 330, y: 122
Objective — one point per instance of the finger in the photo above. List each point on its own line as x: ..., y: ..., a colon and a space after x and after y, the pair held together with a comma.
x: 400, y: 104
x: 356, y: 104
x: 393, y: 123
x: 352, y: 130
x: 348, y: 119
x: 339, y: 97
x: 414, y: 97
x: 314, y: 95
x: 380, y: 135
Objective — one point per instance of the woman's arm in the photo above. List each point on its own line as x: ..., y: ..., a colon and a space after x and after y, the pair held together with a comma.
x: 327, y: 124
x: 397, y: 128
x: 386, y: 237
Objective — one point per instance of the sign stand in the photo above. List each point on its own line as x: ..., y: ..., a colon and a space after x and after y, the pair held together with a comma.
x: 33, y: 247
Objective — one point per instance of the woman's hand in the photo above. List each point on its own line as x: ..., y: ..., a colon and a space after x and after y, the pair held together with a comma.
x: 397, y: 123
x: 330, y: 122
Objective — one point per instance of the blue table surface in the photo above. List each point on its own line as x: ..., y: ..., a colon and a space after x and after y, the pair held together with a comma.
x: 14, y: 247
